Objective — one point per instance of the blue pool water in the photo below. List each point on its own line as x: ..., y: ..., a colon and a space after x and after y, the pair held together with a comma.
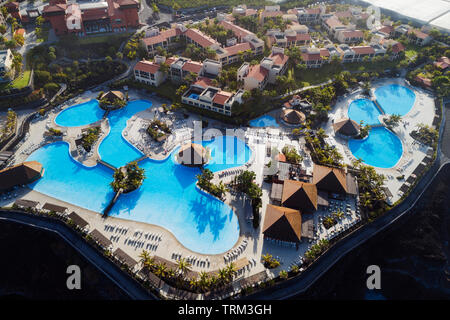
x: 365, y: 110
x: 80, y: 115
x: 193, y: 96
x: 380, y: 149
x: 395, y: 99
x: 168, y: 197
x: 264, y: 121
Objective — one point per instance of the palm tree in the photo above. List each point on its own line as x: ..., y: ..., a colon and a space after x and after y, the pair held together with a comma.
x: 183, y: 267
x: 231, y: 270
x: 203, y: 281
x: 147, y: 261
x: 283, y: 274
x: 161, y: 270
x: 223, y: 277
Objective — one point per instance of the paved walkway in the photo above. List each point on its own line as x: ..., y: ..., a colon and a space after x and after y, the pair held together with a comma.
x: 300, y: 284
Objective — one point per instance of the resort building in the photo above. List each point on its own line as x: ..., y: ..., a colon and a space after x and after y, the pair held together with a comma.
x: 270, y: 12
x: 203, y: 95
x: 282, y: 223
x: 92, y: 17
x: 312, y: 58
x: 363, y: 51
x: 166, y: 39
x: 6, y: 59
x: 332, y: 25
x: 149, y: 72
x: 257, y: 76
x: 242, y: 10
x: 308, y: 15
x: 290, y: 37
x: 21, y: 174
x: 442, y: 63
x: 350, y: 36
x: 13, y: 9
x: 418, y: 37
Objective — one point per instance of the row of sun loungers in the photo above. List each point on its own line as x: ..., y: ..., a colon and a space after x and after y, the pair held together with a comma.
x: 234, y: 254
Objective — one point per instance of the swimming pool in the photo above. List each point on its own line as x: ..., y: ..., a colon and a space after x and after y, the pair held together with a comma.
x: 168, y: 197
x: 395, y: 99
x: 193, y: 96
x: 365, y: 110
x: 380, y: 149
x: 264, y: 121
x: 80, y: 115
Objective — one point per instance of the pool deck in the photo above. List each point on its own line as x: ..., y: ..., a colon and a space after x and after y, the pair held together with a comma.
x: 413, y: 152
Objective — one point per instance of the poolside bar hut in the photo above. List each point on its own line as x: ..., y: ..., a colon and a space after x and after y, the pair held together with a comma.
x: 192, y: 155
x: 78, y: 220
x: 125, y: 258
x: 112, y: 96
x: 346, y: 128
x: 100, y: 238
x: 283, y: 224
x: 293, y: 117
x: 24, y: 173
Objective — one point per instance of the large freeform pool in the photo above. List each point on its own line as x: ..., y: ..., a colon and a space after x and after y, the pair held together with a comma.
x: 264, y: 121
x: 364, y: 110
x: 380, y: 149
x: 80, y: 115
x: 395, y: 99
x: 168, y: 197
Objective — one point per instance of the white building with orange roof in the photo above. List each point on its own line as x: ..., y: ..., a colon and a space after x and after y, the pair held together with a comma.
x: 149, y: 72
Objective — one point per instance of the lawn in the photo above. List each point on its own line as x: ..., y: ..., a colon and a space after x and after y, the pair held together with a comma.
x: 22, y: 80
x: 411, y: 51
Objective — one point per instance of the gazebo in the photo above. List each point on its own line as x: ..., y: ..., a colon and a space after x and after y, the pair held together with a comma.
x: 192, y: 155
x: 346, y: 128
x: 291, y: 116
x: 112, y: 95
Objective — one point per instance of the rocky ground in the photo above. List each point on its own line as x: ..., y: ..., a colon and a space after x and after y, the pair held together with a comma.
x: 34, y: 264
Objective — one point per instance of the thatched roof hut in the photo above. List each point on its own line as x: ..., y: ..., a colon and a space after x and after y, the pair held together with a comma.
x: 20, y: 174
x: 346, y: 127
x: 299, y: 195
x: 282, y: 223
x: 112, y: 95
x: 192, y: 154
x: 330, y: 179
x: 292, y: 116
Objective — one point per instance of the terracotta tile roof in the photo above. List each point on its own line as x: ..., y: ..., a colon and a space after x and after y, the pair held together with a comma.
x: 386, y: 29
x: 343, y: 14
x: 282, y: 223
x: 311, y: 56
x: 334, y: 22
x: 442, y: 63
x: 257, y: 72
x: 222, y: 97
x: 313, y: 11
x: 171, y: 60
x: 199, y: 37
x: 163, y: 36
x: 324, y: 52
x: 203, y: 82
x: 147, y: 66
x: 293, y: 116
x: 398, y: 47
x: 300, y: 37
x: 238, y: 31
x: 330, y: 179
x: 192, y: 66
x: 251, y: 12
x: 271, y: 14
x: 353, y: 34
x: 55, y: 8
x: 279, y: 58
x: 363, y: 50
x: 232, y: 50
x: 419, y: 34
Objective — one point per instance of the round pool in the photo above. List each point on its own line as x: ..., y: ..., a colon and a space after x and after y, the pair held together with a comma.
x: 363, y: 110
x: 264, y: 121
x: 395, y: 99
x: 380, y: 149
